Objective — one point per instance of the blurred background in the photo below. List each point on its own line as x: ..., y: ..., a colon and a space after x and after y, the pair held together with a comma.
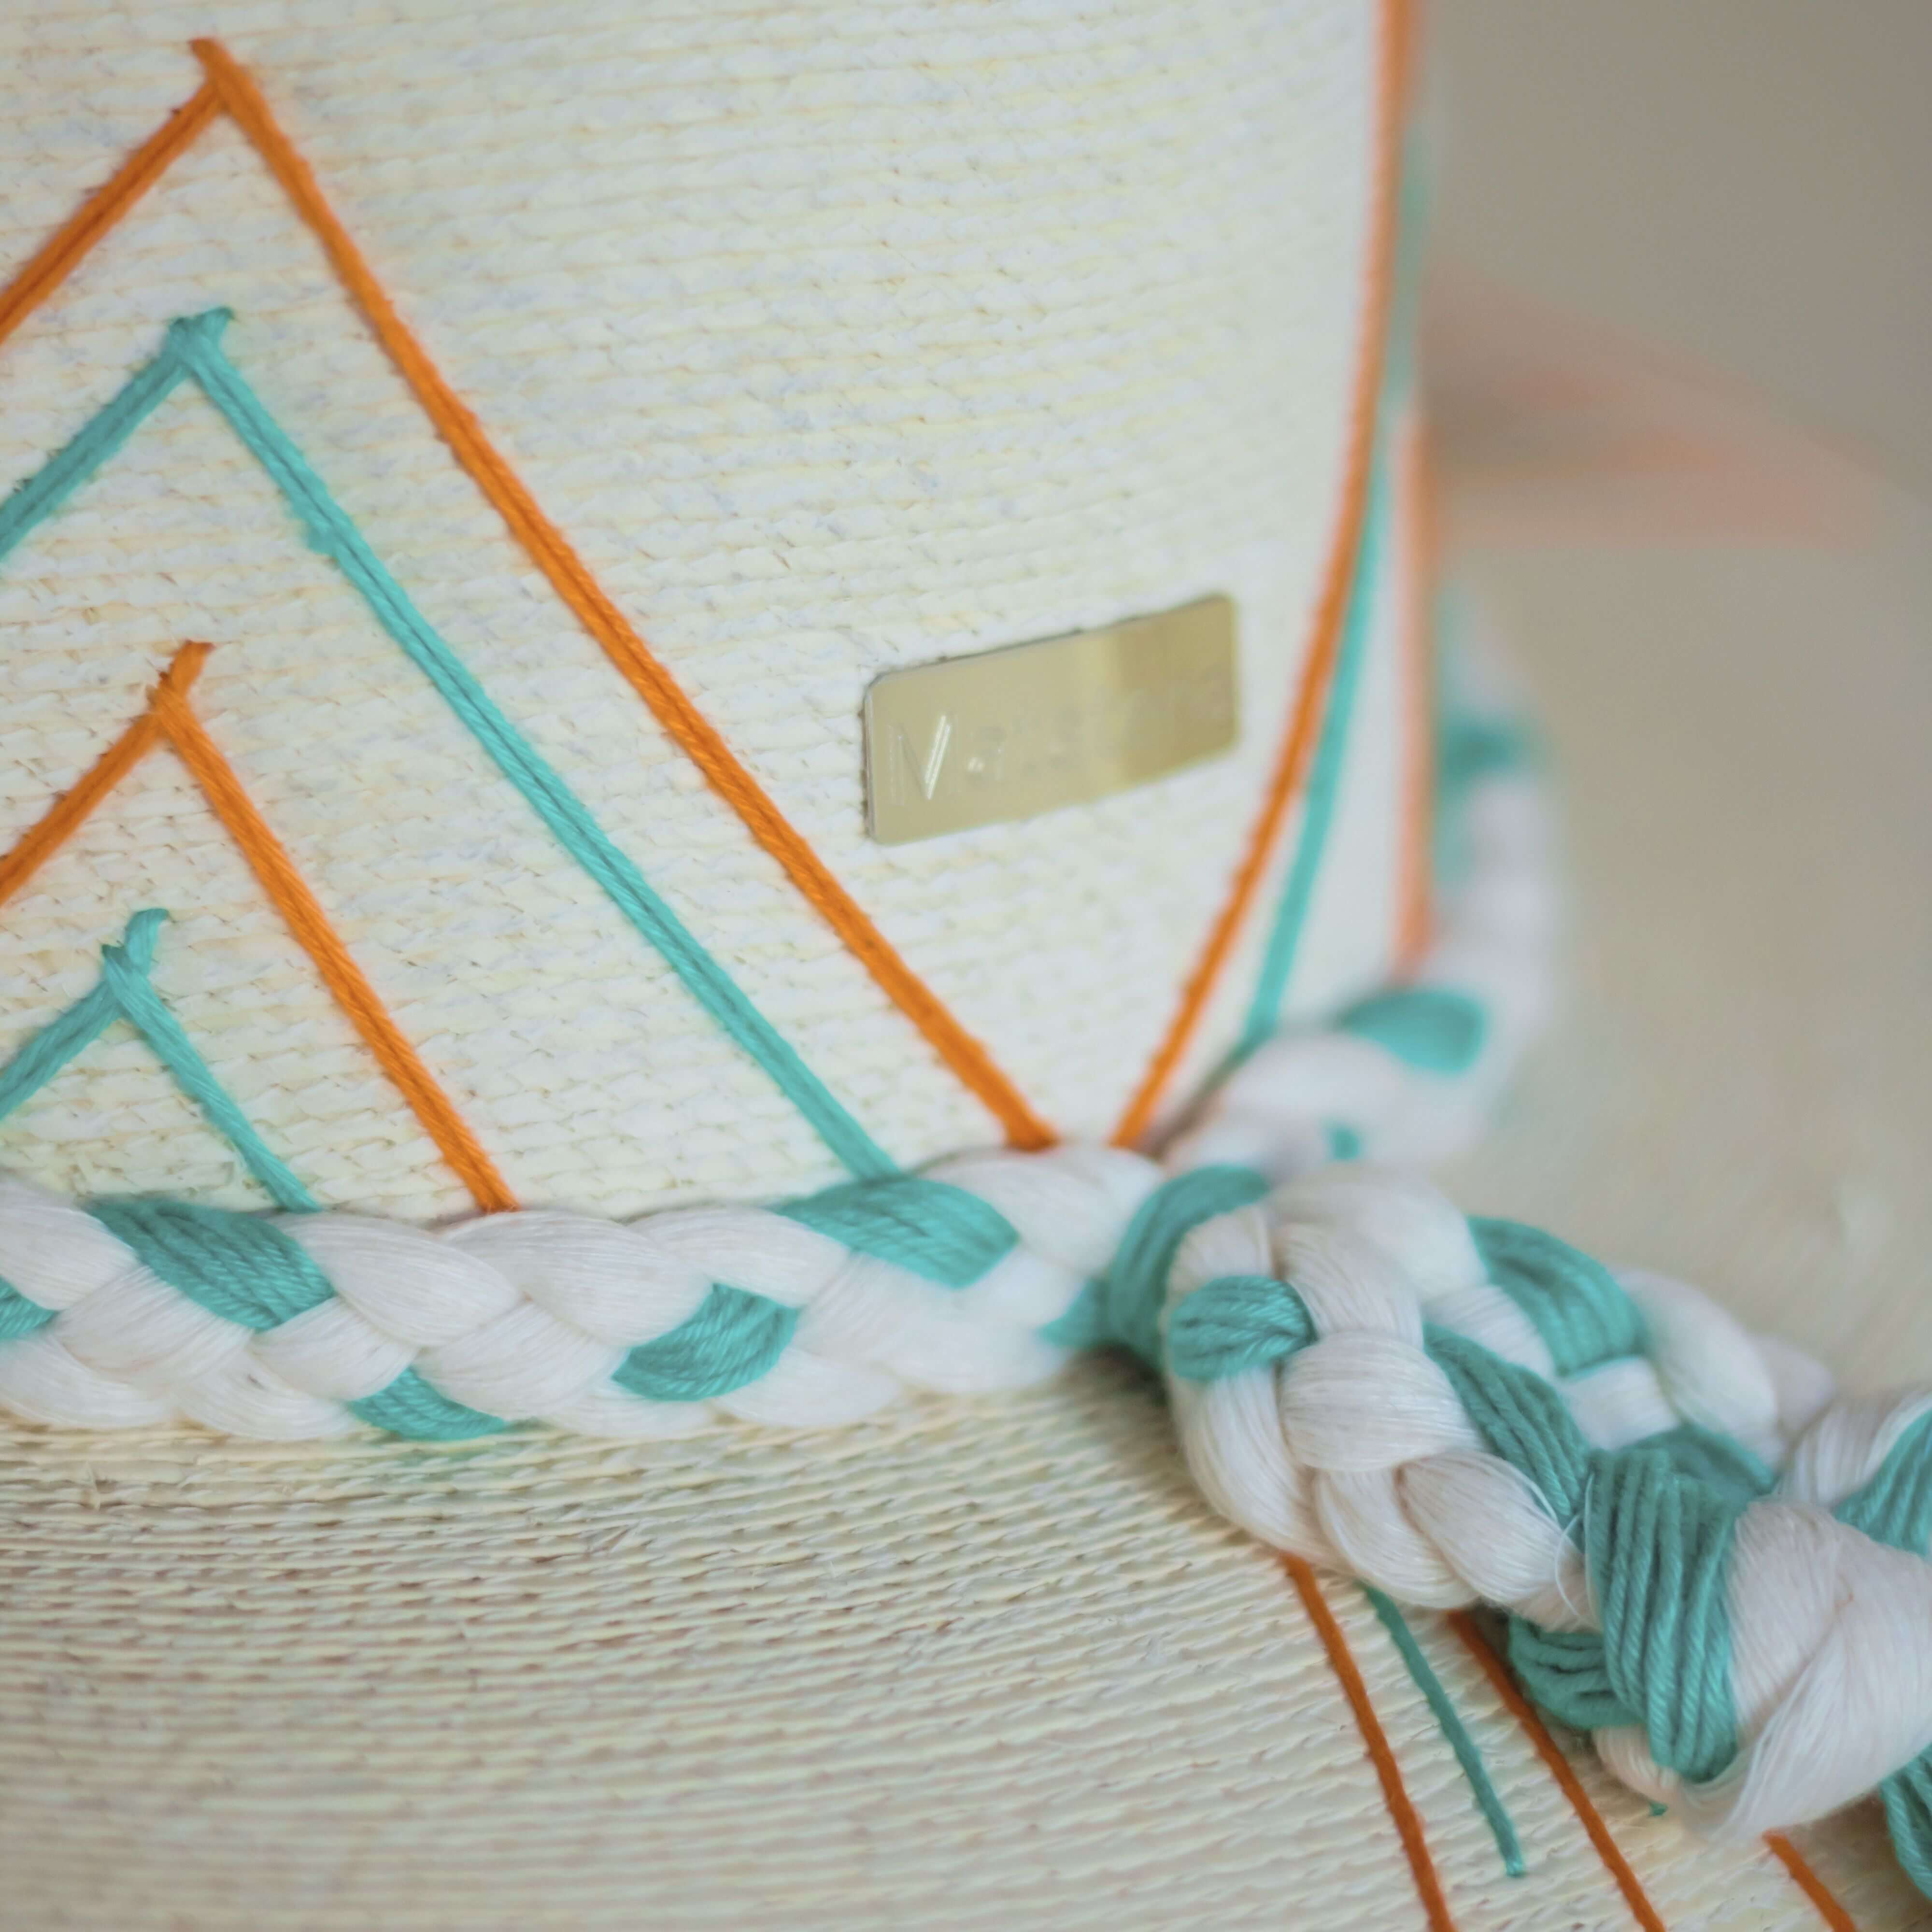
x: 1683, y: 345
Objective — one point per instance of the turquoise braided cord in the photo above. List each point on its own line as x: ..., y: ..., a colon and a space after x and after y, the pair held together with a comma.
x: 1122, y: 1308
x: 19, y: 1316
x: 1655, y: 1530
x: 1572, y: 1301
x: 1433, y: 1029
x: 246, y: 1269
x: 926, y: 1227
x: 239, y: 1267
x: 1894, y: 1506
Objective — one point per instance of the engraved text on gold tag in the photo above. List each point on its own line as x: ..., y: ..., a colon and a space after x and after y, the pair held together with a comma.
x: 1012, y: 733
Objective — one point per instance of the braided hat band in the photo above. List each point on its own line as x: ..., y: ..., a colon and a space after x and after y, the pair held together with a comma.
x: 981, y: 1272
x: 1704, y: 1560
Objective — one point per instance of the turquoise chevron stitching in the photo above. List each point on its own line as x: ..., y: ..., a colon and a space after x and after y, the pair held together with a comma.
x: 193, y: 348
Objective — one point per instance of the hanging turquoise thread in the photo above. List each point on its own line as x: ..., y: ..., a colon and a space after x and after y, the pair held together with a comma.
x: 1657, y: 1541
x: 123, y: 992
x: 1488, y: 1801
x: 193, y: 348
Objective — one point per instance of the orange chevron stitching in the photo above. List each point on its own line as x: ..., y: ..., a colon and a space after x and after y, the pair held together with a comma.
x: 105, y: 206
x: 168, y: 715
x: 229, y: 88
x: 1311, y: 700
x: 69, y: 811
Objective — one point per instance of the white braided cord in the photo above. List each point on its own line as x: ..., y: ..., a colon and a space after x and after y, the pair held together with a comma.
x: 524, y: 1315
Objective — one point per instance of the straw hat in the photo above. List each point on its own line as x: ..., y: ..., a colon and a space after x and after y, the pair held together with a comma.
x: 688, y: 373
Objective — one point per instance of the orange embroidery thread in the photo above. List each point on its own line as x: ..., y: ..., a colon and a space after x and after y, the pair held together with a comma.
x: 168, y: 714
x: 276, y: 870
x: 1808, y: 1882
x: 1402, y: 1810
x: 548, y: 549
x: 102, y: 209
x: 1414, y: 912
x: 43, y: 840
x: 1292, y: 766
x: 1560, y: 1768
x: 228, y: 87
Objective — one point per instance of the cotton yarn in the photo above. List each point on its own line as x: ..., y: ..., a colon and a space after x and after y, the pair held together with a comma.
x: 1710, y: 1562
x: 974, y: 1275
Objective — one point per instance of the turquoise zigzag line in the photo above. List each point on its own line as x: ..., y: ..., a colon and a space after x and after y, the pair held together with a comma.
x: 193, y: 348
x: 122, y: 992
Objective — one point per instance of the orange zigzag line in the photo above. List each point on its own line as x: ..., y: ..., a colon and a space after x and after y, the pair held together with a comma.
x: 169, y: 715
x: 228, y: 89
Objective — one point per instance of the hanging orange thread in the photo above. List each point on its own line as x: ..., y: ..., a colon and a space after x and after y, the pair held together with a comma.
x: 43, y: 839
x: 1560, y: 1768
x: 1292, y: 765
x: 552, y: 553
x: 1808, y: 1882
x: 104, y: 208
x: 276, y: 870
x: 1402, y: 1810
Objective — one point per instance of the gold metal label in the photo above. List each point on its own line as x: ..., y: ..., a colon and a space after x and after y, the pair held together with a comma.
x: 1013, y: 732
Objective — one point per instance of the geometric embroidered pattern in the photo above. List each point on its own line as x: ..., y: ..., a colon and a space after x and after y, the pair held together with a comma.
x: 192, y: 348
x: 228, y: 89
x: 123, y: 993
x: 168, y: 715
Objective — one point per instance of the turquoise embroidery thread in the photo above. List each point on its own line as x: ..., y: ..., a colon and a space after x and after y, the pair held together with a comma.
x: 1468, y: 1755
x: 123, y: 992
x: 38, y: 496
x: 1656, y: 1543
x: 193, y: 348
x: 1324, y: 781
